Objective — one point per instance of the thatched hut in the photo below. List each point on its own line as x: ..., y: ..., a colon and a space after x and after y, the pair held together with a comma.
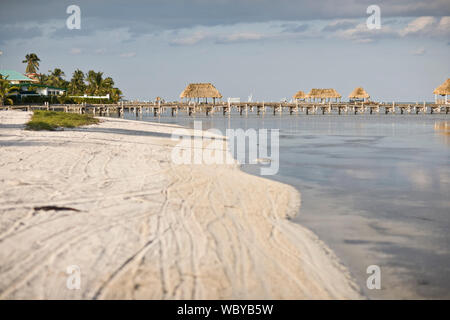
x: 359, y: 94
x: 200, y: 90
x: 323, y: 95
x: 442, y: 90
x: 300, y: 95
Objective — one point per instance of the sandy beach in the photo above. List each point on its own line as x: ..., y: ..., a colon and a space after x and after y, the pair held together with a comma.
x: 145, y: 228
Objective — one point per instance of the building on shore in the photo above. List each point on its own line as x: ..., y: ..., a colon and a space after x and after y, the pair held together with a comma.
x: 444, y: 91
x: 15, y: 77
x: 359, y: 95
x: 33, y: 76
x: 197, y: 91
x: 299, y: 96
x: 28, y: 86
x: 323, y: 95
x: 35, y: 89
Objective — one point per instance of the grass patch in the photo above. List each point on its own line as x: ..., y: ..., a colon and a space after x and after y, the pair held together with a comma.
x: 51, y: 120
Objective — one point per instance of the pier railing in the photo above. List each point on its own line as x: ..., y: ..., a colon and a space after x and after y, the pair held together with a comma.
x: 243, y: 108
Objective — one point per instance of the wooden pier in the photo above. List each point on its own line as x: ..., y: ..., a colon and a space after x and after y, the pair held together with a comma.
x: 241, y: 108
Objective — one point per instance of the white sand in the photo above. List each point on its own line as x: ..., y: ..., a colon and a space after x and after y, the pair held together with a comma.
x: 148, y: 229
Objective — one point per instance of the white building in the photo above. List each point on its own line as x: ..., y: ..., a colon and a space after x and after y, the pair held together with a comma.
x: 33, y: 89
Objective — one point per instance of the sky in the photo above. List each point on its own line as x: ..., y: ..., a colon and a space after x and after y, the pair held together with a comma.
x: 270, y: 49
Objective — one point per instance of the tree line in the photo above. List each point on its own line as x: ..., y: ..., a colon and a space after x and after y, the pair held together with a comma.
x: 91, y: 83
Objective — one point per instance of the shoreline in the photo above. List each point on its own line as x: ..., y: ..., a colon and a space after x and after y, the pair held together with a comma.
x: 148, y: 229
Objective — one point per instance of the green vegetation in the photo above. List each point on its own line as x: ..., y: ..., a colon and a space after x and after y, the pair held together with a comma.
x: 55, y: 78
x: 32, y: 62
x: 6, y: 90
x: 51, y: 120
x: 77, y: 85
x: 64, y: 99
x: 91, y: 83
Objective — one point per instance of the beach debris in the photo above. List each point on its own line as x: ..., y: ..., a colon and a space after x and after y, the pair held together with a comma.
x: 56, y: 208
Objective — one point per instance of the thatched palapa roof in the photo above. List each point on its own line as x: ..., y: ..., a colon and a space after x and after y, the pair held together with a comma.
x: 443, y: 89
x: 299, y: 95
x: 359, y: 93
x: 200, y: 90
x: 323, y: 94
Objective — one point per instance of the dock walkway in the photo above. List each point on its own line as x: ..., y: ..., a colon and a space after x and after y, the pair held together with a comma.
x: 260, y: 108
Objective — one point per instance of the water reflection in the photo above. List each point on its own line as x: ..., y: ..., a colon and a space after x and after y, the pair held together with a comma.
x: 374, y: 188
x: 442, y: 128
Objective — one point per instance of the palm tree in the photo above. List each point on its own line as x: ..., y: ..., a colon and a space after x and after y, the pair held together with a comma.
x: 96, y: 82
x: 32, y: 62
x: 6, y: 90
x: 99, y: 86
x: 77, y: 85
x: 115, y: 94
x: 42, y: 78
x: 55, y: 78
x: 108, y: 83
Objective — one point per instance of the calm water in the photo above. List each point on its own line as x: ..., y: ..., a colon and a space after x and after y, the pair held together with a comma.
x: 375, y: 188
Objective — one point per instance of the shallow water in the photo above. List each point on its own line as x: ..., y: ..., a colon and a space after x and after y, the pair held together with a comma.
x: 375, y: 188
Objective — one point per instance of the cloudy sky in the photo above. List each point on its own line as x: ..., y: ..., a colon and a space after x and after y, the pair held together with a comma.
x: 268, y: 48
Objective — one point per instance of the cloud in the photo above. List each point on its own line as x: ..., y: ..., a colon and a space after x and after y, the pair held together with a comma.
x: 294, y: 27
x: 178, y: 21
x: 156, y: 15
x: 127, y: 54
x: 100, y: 51
x: 421, y: 25
x: 75, y: 51
x: 427, y: 26
x: 189, y: 40
x: 239, y: 37
x: 350, y: 30
x: 419, y: 52
x: 10, y: 32
x: 364, y: 40
x: 362, y: 34
x: 444, y: 26
x: 338, y: 25
x: 216, y: 37
x: 430, y: 27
